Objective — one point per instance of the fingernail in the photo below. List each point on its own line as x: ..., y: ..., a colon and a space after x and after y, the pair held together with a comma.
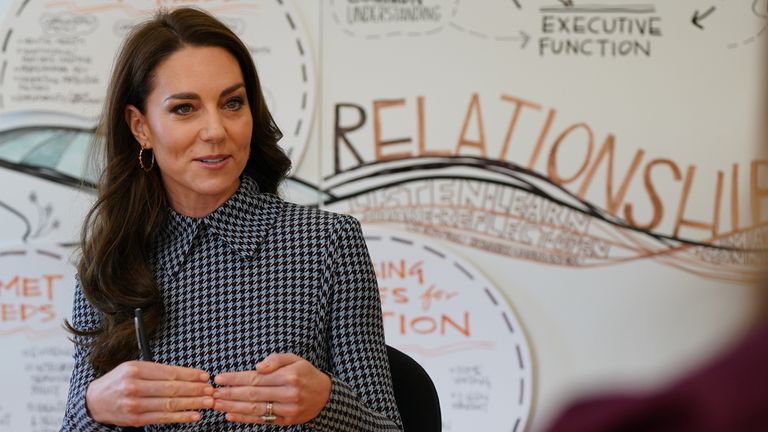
x: 216, y: 394
x: 204, y: 377
x: 208, y: 402
x: 196, y: 417
x: 208, y: 391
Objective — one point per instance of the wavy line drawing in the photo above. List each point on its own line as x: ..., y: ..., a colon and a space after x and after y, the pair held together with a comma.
x: 728, y: 256
x: 45, y: 222
x: 20, y: 216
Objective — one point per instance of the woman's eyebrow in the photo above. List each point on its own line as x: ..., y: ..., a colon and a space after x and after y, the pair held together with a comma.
x: 185, y: 95
x: 230, y: 89
x: 193, y: 96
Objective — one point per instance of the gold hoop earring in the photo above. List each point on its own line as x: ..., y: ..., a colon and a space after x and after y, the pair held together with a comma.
x: 141, y: 161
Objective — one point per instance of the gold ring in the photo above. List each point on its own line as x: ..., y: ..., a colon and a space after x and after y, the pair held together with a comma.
x: 268, y: 417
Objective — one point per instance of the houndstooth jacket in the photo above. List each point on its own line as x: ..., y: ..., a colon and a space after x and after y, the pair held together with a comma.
x: 256, y: 276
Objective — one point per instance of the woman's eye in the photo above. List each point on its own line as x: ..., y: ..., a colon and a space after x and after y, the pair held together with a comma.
x: 182, y: 109
x: 234, y: 104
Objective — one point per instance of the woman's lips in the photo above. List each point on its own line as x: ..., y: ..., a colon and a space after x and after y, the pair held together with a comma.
x: 213, y: 161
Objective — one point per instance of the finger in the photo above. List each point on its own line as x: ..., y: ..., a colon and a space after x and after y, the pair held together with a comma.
x: 275, y: 361
x: 156, y: 371
x: 180, y: 404
x: 174, y: 388
x: 248, y: 378
x: 251, y: 408
x: 242, y: 418
x: 249, y: 393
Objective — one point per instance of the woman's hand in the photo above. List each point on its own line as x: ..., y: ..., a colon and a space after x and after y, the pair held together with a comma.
x: 297, y: 390
x: 138, y: 393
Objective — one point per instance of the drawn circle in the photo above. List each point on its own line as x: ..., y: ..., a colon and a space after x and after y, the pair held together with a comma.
x: 56, y: 56
x: 445, y: 314
x: 733, y: 24
x: 374, y: 20
x: 37, y: 284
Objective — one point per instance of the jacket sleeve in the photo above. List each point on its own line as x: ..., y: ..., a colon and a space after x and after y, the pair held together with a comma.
x: 361, y: 396
x: 76, y: 417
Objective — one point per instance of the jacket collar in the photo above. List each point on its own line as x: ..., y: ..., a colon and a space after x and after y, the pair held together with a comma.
x: 243, y: 222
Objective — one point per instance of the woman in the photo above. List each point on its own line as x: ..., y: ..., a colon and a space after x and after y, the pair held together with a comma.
x: 258, y: 311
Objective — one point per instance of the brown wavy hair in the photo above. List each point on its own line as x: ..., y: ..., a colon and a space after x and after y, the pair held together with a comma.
x: 115, y: 274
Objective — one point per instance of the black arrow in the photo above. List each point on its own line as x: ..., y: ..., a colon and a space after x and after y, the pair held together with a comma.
x: 525, y: 37
x: 567, y: 3
x: 697, y: 18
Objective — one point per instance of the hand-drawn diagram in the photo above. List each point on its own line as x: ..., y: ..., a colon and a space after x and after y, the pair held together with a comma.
x: 455, y: 323
x: 37, y: 285
x: 599, y: 30
x: 605, y: 30
x: 493, y: 20
x: 56, y: 56
x: 43, y: 157
x: 718, y: 18
x: 54, y: 64
x: 502, y: 208
x: 46, y: 158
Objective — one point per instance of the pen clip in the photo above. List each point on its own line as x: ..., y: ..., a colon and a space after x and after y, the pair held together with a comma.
x: 138, y: 335
x: 141, y: 335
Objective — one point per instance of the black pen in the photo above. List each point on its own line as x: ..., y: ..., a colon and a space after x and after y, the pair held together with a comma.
x: 141, y: 335
x: 146, y: 354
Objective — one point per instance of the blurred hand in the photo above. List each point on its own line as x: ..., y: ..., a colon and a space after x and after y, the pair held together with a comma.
x: 298, y: 391
x: 138, y: 393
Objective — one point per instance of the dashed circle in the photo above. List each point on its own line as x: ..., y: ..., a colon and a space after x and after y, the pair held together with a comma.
x: 297, y: 105
x: 462, y: 288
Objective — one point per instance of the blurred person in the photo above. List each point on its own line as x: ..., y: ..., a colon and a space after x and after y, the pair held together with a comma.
x: 729, y: 393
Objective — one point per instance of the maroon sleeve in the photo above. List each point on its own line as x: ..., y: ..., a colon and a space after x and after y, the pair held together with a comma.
x: 728, y: 394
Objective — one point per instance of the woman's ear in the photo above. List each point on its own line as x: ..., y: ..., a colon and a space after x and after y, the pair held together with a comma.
x: 138, y: 125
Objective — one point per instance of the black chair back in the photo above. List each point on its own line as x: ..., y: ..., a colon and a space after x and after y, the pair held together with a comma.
x: 415, y: 394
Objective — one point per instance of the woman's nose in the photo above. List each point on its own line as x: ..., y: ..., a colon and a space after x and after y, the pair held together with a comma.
x: 213, y: 129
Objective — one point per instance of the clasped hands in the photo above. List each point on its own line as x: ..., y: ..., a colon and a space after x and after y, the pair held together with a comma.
x: 138, y: 393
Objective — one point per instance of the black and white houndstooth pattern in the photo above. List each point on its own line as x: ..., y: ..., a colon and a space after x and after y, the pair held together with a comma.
x: 256, y: 276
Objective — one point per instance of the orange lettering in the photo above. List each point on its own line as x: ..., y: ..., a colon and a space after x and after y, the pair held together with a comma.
x: 519, y: 104
x: 474, y: 106
x: 757, y: 192
x: 735, y: 197
x: 612, y: 202
x: 658, y: 207
x: 49, y: 279
x: 422, y: 134
x: 542, y: 136
x: 682, y: 221
x: 552, y: 170
x: 30, y: 287
x: 379, y: 143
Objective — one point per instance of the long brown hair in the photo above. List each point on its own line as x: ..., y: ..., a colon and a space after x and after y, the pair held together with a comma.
x: 114, y: 270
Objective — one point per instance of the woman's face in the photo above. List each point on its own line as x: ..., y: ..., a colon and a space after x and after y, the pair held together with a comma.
x: 198, y: 123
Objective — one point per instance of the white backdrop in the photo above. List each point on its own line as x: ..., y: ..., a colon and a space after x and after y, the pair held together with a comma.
x: 539, y: 183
